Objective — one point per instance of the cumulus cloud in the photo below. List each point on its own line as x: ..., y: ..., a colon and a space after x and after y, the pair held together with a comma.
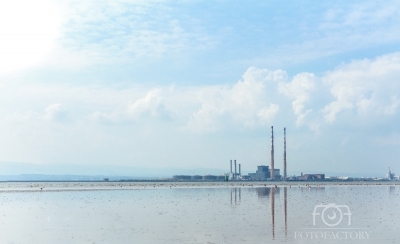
x: 149, y: 106
x: 263, y: 97
x: 365, y: 86
x: 361, y: 93
x: 152, y: 104
x: 251, y: 102
x: 299, y: 90
x: 56, y: 112
x: 266, y: 114
x: 248, y: 103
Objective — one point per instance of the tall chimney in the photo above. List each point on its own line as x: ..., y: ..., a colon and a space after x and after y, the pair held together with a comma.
x: 231, y: 166
x: 272, y: 153
x: 240, y: 171
x: 235, y: 168
x: 284, y: 154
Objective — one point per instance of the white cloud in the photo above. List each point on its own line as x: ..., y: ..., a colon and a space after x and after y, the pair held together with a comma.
x: 150, y: 106
x: 125, y: 124
x: 263, y: 97
x: 342, y: 29
x: 368, y: 86
x: 391, y: 108
x: 299, y: 90
x: 152, y: 103
x: 248, y: 103
x: 56, y: 112
x: 117, y: 31
x: 267, y: 114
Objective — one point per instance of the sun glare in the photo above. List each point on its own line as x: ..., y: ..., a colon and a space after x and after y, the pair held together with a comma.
x: 28, y: 31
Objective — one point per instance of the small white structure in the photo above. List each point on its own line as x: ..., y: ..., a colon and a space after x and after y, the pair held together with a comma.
x: 390, y: 175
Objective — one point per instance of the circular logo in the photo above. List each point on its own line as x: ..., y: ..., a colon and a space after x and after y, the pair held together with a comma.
x: 332, y: 215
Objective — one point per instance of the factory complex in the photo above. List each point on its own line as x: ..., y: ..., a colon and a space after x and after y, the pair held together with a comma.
x: 262, y: 173
x: 270, y: 173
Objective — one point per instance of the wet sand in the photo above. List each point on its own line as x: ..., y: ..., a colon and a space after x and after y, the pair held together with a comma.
x: 85, y: 186
x: 198, y: 212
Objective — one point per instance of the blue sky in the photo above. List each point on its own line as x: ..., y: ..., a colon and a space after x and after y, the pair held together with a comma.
x: 194, y: 84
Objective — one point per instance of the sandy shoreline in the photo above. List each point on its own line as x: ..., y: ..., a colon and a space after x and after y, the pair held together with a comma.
x: 93, y: 186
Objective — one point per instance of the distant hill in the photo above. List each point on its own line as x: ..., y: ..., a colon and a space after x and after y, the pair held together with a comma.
x: 29, y: 171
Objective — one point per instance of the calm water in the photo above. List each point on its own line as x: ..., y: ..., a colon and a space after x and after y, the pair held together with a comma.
x: 162, y: 214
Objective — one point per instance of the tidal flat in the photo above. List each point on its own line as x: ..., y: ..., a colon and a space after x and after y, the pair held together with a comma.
x: 200, y: 212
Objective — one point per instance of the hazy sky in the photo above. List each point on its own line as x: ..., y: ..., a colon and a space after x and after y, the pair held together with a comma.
x: 196, y: 83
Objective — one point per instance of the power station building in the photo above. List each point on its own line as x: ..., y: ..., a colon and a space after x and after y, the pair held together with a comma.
x: 313, y: 177
x: 234, y: 175
x: 264, y: 173
x: 270, y: 173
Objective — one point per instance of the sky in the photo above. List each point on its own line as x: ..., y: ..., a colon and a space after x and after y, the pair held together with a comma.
x: 193, y: 84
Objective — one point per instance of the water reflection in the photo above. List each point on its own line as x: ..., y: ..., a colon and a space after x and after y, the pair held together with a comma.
x: 265, y: 192
x: 194, y: 215
x: 285, y: 208
x: 316, y: 189
x: 271, y: 193
x: 236, y: 193
x: 391, y: 190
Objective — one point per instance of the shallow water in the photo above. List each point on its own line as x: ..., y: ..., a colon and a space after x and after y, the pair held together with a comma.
x: 195, y: 214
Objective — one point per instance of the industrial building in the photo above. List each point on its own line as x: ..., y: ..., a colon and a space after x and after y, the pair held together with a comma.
x: 235, y: 175
x: 209, y: 177
x: 182, y: 177
x: 264, y: 173
x: 269, y: 173
x: 313, y: 177
x: 198, y: 177
x: 221, y: 177
x: 390, y: 175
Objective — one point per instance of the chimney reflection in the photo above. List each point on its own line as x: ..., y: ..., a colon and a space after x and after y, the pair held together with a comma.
x: 271, y: 192
x: 272, y: 197
x: 275, y: 199
x: 234, y: 194
x: 231, y: 196
x: 285, y: 207
x: 391, y: 190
